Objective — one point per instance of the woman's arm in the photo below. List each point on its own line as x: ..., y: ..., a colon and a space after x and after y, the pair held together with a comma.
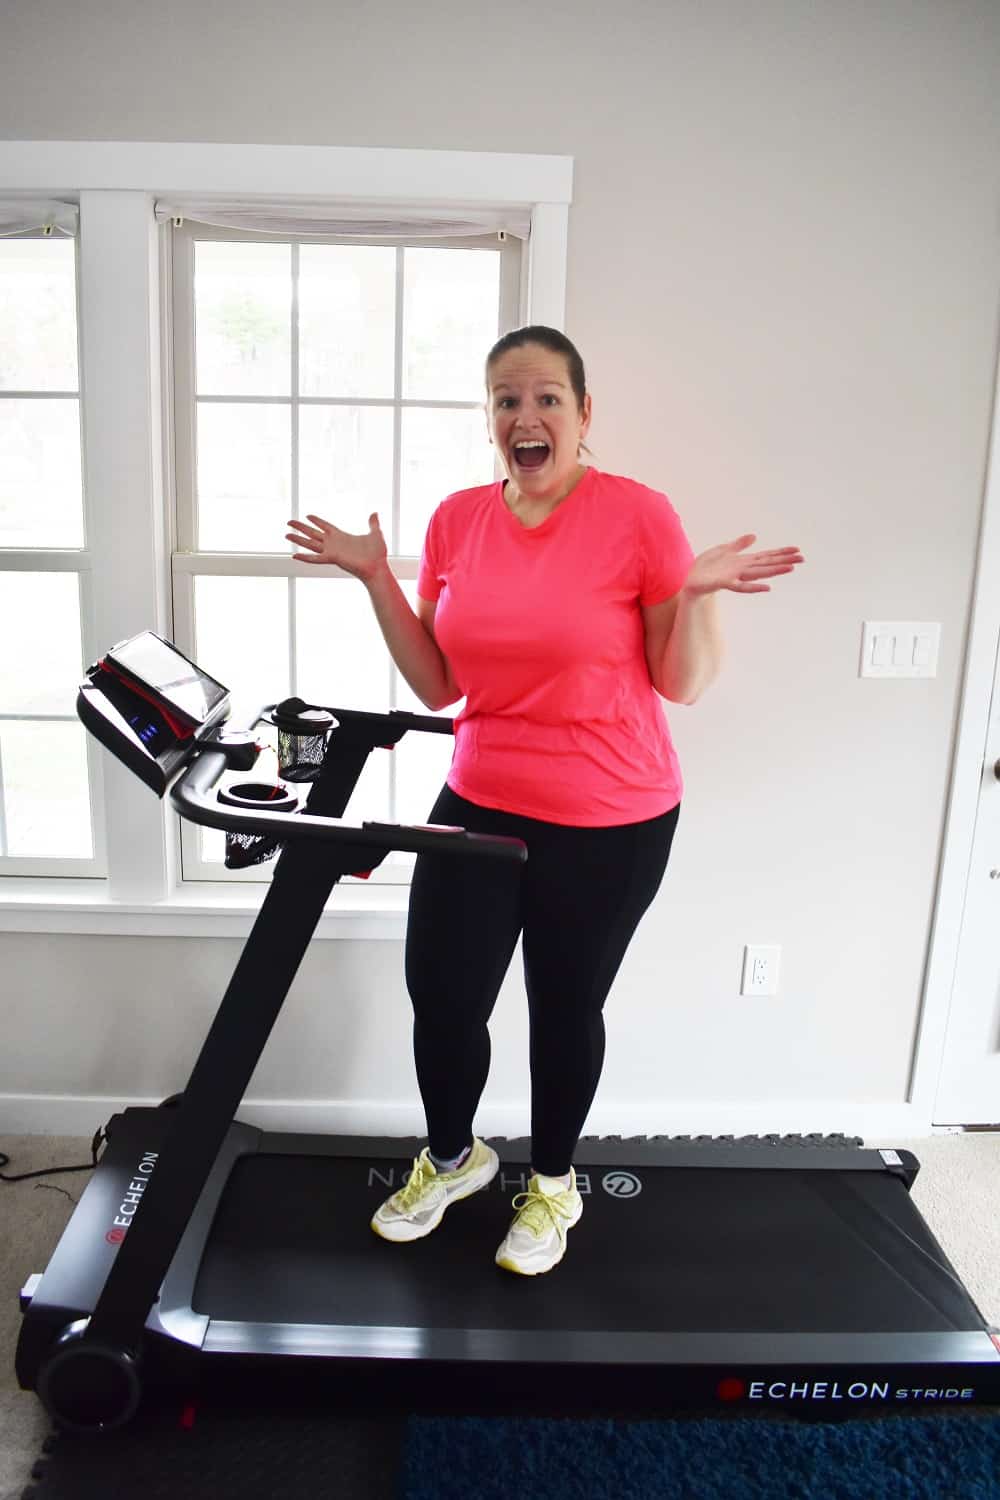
x: 411, y: 643
x: 684, y: 648
x: 683, y: 635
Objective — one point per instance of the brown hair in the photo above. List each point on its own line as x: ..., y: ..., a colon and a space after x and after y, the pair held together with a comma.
x: 548, y: 338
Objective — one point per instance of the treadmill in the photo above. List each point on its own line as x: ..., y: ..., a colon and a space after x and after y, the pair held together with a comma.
x: 787, y: 1274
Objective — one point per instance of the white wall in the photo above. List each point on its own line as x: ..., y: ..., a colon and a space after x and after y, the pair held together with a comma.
x: 784, y: 279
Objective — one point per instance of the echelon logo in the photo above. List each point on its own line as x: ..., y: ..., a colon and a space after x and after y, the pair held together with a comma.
x: 131, y: 1198
x: 620, y: 1184
x: 617, y: 1183
x: 734, y: 1389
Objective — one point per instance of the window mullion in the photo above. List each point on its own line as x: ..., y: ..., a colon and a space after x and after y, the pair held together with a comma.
x: 293, y: 639
x: 92, y: 649
x: 397, y: 469
x: 120, y: 385
x: 397, y: 397
x: 181, y: 253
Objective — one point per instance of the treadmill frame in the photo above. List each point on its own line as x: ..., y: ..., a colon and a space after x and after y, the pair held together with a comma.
x: 824, y: 1373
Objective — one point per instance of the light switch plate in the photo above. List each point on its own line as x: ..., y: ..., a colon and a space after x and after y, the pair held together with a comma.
x: 900, y: 648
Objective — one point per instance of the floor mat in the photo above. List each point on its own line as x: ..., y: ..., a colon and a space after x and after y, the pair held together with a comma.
x: 190, y: 1452
x: 217, y: 1451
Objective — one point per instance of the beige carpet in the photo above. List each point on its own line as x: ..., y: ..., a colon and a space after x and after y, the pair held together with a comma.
x: 957, y: 1191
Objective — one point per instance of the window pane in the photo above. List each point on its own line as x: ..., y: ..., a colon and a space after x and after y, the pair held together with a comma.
x: 347, y: 301
x: 370, y: 799
x: 451, y: 311
x: 343, y: 659
x: 241, y: 638
x: 244, y: 477
x: 422, y: 764
x: 343, y: 662
x: 251, y: 660
x: 212, y: 850
x: 243, y: 319
x: 345, y: 464
x: 46, y: 797
x: 41, y: 490
x: 41, y: 655
x: 442, y: 451
x: 38, y: 315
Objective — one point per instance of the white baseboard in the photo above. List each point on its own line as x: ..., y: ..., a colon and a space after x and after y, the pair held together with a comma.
x: 876, y: 1123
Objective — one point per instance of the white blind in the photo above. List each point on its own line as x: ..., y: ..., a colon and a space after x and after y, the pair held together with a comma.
x: 22, y: 215
x: 351, y: 220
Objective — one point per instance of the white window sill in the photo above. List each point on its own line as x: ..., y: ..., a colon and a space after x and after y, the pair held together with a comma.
x: 354, y: 912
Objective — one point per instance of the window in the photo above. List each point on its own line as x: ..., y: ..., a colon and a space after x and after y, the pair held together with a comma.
x: 335, y: 377
x: 139, y: 541
x: 46, y: 826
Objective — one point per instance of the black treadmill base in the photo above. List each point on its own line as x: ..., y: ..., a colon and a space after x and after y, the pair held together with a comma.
x: 441, y: 1389
x: 787, y: 1275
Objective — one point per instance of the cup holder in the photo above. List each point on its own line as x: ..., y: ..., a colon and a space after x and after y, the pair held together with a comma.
x: 303, y: 736
x: 246, y: 849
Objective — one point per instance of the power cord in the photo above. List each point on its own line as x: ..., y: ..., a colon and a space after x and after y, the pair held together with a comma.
x: 95, y: 1146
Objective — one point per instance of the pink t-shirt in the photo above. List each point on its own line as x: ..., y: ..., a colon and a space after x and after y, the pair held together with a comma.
x: 543, y: 632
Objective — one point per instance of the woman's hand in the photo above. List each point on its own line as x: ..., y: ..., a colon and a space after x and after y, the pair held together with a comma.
x: 730, y: 566
x: 362, y: 555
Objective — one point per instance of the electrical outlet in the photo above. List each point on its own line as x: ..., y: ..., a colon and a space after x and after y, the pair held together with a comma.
x: 760, y: 970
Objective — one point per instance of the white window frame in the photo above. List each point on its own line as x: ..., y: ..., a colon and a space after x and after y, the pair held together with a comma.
x: 74, y: 560
x: 188, y: 563
x: 122, y: 310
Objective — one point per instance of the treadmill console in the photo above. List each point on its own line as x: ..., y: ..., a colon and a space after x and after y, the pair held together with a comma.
x: 151, y: 706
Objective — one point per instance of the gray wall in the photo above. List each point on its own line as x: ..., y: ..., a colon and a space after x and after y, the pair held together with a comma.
x: 783, y: 276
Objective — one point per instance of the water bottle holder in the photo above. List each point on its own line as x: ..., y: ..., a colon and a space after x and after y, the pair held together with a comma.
x: 300, y: 756
x: 243, y: 850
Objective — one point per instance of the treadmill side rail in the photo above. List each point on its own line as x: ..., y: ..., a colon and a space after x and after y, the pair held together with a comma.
x: 173, y: 1314
x: 730, y: 1351
x: 71, y: 1284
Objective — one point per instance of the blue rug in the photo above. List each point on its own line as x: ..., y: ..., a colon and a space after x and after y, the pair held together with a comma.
x: 892, y: 1458
x: 218, y: 1453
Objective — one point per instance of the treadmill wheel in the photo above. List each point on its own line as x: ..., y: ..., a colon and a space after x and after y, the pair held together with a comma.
x: 86, y: 1386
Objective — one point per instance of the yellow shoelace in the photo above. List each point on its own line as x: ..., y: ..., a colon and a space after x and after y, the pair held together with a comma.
x: 537, y: 1212
x: 420, y: 1177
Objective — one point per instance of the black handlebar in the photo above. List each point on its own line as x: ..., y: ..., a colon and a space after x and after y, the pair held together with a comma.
x: 192, y: 796
x: 396, y: 721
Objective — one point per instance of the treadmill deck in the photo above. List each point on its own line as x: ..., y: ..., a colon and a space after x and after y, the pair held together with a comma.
x: 658, y: 1249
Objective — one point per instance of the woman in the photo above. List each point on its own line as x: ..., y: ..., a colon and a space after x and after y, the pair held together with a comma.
x: 559, y: 602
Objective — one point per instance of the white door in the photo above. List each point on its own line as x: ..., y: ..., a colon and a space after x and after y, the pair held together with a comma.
x: 969, y: 1083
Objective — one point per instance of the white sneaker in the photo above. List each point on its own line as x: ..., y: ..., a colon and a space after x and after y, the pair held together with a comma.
x: 419, y: 1205
x: 536, y: 1239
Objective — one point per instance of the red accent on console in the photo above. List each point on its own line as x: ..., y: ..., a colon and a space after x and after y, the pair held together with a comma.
x: 182, y: 731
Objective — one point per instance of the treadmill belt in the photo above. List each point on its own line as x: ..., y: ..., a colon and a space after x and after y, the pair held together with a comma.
x: 694, y: 1250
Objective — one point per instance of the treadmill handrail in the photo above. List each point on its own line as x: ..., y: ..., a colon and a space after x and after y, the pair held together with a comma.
x: 190, y: 796
x: 391, y: 718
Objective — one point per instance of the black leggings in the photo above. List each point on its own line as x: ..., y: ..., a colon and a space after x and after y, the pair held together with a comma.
x: 577, y: 900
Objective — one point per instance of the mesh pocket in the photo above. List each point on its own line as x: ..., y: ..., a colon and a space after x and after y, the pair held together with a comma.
x: 303, y: 734
x: 246, y: 849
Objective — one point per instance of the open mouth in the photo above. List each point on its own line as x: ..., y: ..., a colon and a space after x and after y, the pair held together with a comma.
x: 530, y: 455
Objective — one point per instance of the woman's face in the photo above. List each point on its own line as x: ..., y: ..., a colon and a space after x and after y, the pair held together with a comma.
x: 534, y: 421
